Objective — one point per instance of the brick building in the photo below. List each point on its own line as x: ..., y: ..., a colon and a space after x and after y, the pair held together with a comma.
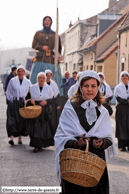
x: 123, y: 30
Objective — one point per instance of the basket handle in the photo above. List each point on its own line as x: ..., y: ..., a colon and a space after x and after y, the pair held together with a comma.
x: 87, y: 145
x: 26, y: 103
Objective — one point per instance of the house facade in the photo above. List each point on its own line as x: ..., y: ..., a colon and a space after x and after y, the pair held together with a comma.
x: 123, y: 31
x: 75, y: 37
x: 100, y: 53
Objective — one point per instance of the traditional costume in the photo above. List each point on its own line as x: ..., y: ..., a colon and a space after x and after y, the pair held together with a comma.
x: 44, y: 59
x: 107, y: 94
x: 17, y: 91
x: 56, y: 100
x: 92, y: 121
x: 122, y: 113
x: 40, y: 129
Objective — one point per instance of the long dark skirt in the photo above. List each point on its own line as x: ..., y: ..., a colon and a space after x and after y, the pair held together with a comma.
x: 15, y: 124
x: 122, y: 125
x: 41, y: 129
x: 56, y: 113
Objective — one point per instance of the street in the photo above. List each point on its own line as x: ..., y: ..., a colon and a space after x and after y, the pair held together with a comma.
x: 20, y: 166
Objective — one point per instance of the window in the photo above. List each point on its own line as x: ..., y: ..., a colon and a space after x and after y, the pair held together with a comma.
x: 122, y: 66
x: 74, y: 66
x: 80, y: 68
x: 66, y: 66
x: 99, y: 69
x: 91, y: 67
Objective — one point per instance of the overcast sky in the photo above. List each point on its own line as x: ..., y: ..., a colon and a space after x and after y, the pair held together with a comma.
x: 20, y: 19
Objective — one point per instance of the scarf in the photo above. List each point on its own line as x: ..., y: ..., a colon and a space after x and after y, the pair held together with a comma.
x: 17, y: 90
x: 46, y: 29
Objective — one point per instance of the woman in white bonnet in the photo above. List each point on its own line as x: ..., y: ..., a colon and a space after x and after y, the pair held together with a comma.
x: 17, y: 91
x: 84, y: 117
x: 40, y: 129
x: 122, y: 112
x: 56, y: 105
x: 106, y: 92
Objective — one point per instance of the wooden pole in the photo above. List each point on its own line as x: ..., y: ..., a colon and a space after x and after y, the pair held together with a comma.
x: 56, y: 43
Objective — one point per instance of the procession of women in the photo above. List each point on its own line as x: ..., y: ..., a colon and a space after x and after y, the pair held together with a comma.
x: 84, y: 115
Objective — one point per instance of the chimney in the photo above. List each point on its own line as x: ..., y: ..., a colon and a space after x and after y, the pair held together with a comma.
x: 70, y: 24
x: 111, y: 2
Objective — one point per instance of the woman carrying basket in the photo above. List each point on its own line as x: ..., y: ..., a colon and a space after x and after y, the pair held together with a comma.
x: 84, y: 117
x: 17, y: 91
x: 40, y: 129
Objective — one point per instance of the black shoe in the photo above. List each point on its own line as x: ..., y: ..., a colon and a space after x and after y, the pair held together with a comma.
x: 35, y: 150
x: 39, y: 148
x: 19, y: 142
x: 123, y: 149
x: 11, y: 142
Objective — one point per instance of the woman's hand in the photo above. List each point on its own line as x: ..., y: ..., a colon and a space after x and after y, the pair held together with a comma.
x: 43, y: 103
x: 32, y: 102
x: 81, y: 141
x: 45, y: 48
x: 97, y: 143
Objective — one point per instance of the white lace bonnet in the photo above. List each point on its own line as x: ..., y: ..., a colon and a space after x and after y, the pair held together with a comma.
x: 21, y: 67
x: 100, y: 73
x: 124, y: 72
x: 89, y: 73
x: 48, y: 71
x: 41, y: 73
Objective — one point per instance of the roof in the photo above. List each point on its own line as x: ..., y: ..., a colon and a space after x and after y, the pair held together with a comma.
x: 108, y: 52
x: 88, y: 44
x: 124, y: 24
x: 93, y: 43
x: 124, y: 10
x: 112, y: 26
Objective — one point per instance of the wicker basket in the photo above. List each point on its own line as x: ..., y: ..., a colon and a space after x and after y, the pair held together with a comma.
x: 30, y: 112
x: 81, y: 167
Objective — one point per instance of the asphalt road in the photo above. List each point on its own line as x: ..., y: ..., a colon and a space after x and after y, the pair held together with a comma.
x: 20, y: 166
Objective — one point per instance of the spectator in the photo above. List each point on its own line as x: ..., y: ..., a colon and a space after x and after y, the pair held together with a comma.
x: 72, y: 80
x: 12, y: 64
x: 11, y: 75
x: 74, y: 88
x: 64, y: 80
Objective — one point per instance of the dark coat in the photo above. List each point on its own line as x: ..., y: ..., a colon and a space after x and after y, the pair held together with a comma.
x: 10, y: 76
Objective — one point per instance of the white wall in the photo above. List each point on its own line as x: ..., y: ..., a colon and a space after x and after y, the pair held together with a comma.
x: 19, y: 55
